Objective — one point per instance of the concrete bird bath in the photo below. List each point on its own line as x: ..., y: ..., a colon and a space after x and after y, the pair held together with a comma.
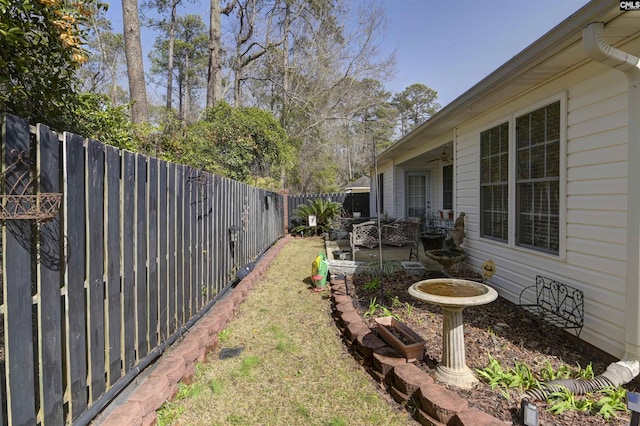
x: 453, y: 295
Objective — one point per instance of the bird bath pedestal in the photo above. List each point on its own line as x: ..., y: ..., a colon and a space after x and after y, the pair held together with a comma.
x: 453, y: 295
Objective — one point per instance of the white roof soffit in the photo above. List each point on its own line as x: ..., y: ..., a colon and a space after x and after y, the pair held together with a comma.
x: 555, y: 52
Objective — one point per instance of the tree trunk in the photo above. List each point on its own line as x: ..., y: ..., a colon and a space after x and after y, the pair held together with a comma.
x: 285, y: 67
x: 135, y: 67
x: 236, y: 88
x: 172, y: 40
x: 187, y: 89
x: 214, y: 75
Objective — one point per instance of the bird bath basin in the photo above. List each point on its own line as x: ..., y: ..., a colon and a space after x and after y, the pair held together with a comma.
x: 453, y: 295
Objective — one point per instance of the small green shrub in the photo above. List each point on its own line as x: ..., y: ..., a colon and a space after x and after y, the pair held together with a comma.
x: 224, y: 335
x: 372, y: 285
x: 371, y: 310
x: 325, y: 212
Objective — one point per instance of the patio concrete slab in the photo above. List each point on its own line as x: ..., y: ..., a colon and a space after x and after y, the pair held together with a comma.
x: 366, y: 260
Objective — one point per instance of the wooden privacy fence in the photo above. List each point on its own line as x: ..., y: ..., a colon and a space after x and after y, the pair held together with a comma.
x: 351, y: 202
x: 94, y: 291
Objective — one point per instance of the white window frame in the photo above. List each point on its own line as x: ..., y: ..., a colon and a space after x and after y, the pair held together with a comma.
x: 562, y: 213
x: 562, y: 207
x: 507, y: 121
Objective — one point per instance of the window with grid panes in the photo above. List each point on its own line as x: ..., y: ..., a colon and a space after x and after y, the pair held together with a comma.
x: 538, y: 179
x: 494, y: 182
x: 381, y: 192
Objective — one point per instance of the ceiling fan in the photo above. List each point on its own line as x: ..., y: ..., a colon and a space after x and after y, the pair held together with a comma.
x: 444, y: 157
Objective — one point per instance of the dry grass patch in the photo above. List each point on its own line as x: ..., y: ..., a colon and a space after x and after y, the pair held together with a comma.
x: 293, y: 368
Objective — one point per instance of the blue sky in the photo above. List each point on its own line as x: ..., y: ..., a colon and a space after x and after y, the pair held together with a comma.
x: 452, y: 45
x: 444, y: 44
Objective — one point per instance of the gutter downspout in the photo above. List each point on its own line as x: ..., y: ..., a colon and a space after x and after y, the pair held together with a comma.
x: 628, y: 367
x: 598, y: 49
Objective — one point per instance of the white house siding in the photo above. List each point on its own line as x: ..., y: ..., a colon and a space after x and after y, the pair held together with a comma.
x: 389, y: 176
x: 399, y: 193
x: 594, y: 213
x: 387, y: 188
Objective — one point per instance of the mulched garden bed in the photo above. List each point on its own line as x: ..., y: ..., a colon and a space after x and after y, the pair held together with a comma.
x: 500, y: 330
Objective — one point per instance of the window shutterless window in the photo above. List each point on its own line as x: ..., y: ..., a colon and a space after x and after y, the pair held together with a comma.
x: 381, y: 192
x: 447, y: 187
x: 538, y: 179
x: 494, y: 182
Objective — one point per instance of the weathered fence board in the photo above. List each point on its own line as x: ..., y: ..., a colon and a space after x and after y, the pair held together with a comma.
x: 172, y: 192
x: 163, y: 270
x: 188, y: 239
x: 141, y: 257
x: 76, y: 260
x: 114, y: 308
x: 152, y: 252
x: 51, y: 390
x: 129, y: 276
x: 95, y: 285
x: 138, y: 247
x: 17, y: 289
x: 180, y: 246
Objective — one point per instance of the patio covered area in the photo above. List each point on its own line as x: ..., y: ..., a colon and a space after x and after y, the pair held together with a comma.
x: 368, y: 258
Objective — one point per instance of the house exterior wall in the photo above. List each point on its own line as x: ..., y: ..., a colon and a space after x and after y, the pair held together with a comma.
x: 593, y: 194
x: 387, y: 206
x: 413, y: 162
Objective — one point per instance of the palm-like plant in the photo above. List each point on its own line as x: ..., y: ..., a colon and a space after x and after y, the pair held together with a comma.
x: 324, y: 210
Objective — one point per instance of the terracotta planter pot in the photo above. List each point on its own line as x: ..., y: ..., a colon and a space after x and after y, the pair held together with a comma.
x: 411, y: 346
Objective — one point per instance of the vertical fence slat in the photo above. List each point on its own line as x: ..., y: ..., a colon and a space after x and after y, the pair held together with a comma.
x: 163, y: 274
x: 76, y: 261
x: 112, y: 252
x: 17, y: 237
x: 188, y: 245
x: 128, y: 279
x: 141, y: 256
x: 51, y: 395
x: 171, y: 261
x: 217, y: 229
x: 211, y: 247
x: 152, y: 250
x: 201, y: 288
x: 179, y: 245
x: 95, y: 288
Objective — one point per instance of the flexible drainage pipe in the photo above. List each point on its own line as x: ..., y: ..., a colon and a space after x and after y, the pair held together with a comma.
x: 623, y: 371
x: 615, y: 375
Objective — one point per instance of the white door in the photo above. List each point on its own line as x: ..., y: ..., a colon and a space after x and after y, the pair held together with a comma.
x: 417, y: 194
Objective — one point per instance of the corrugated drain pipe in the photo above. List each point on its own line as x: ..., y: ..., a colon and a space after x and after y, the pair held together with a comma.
x: 628, y: 367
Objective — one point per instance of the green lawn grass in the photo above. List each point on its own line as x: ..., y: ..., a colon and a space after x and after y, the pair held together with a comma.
x: 294, y: 369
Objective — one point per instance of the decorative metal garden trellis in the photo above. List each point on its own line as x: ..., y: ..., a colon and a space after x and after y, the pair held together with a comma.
x: 19, y: 202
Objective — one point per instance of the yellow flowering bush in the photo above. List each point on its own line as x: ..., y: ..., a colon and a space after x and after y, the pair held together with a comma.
x: 41, y: 46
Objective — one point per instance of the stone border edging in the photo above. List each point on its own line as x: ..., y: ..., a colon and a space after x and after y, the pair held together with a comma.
x: 434, y: 404
x: 178, y: 363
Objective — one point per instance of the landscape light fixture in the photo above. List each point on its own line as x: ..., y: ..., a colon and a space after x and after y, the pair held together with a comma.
x: 529, y: 413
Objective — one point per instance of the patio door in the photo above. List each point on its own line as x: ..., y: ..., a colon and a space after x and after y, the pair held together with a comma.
x: 417, y: 194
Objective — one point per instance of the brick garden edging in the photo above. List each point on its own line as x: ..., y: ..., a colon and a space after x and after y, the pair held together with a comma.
x: 434, y: 404
x: 178, y: 363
